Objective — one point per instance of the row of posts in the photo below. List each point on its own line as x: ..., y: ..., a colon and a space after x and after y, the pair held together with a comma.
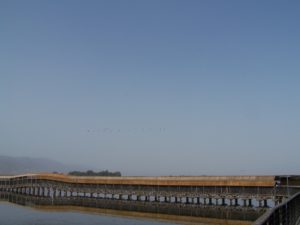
x: 56, y: 193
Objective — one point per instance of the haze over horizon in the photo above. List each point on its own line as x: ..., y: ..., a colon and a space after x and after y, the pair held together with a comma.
x: 152, y: 87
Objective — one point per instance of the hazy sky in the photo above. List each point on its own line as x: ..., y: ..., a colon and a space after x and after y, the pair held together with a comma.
x: 152, y: 87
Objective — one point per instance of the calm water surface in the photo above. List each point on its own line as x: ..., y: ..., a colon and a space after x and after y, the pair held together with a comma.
x: 11, y: 214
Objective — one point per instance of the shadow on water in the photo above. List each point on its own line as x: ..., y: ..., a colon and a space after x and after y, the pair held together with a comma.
x: 179, y: 213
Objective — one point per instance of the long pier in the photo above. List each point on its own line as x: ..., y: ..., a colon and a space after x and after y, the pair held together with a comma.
x: 232, y: 197
x: 205, y: 190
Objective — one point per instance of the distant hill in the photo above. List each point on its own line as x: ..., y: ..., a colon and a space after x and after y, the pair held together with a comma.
x: 18, y: 165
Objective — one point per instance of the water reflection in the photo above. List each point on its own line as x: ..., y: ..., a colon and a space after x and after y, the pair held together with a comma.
x: 16, y: 215
x: 184, y: 214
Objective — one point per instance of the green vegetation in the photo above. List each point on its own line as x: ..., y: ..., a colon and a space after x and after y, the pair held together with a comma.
x: 92, y: 173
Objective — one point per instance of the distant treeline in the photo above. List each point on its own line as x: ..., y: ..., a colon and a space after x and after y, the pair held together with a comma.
x: 92, y: 173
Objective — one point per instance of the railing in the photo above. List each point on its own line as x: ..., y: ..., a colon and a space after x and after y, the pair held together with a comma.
x: 287, y: 213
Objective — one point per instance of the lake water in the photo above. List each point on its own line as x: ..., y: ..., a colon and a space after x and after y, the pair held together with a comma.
x: 11, y: 214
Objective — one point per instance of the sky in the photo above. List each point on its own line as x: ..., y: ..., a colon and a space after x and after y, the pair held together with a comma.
x: 152, y: 87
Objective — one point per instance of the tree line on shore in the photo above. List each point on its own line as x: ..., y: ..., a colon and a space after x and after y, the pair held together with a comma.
x: 92, y: 173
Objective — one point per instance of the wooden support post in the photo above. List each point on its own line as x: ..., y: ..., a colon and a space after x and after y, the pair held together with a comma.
x: 223, y: 201
x: 250, y: 202
x: 236, y: 202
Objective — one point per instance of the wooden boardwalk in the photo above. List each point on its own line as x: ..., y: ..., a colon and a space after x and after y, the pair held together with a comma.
x: 234, y: 181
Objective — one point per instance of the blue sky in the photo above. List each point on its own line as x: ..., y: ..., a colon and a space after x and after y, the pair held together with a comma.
x: 152, y: 87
